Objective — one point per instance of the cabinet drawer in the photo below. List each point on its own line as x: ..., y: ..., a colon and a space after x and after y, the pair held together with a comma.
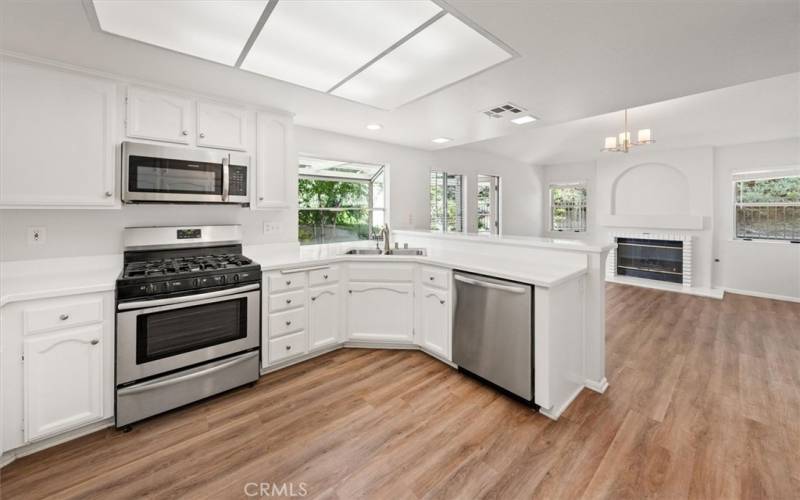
x: 287, y: 322
x: 287, y: 300
x: 280, y: 282
x: 381, y: 272
x: 435, y: 277
x: 323, y: 276
x: 286, y: 347
x: 70, y: 313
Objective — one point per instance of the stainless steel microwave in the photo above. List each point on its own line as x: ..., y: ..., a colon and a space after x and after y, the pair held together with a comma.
x: 163, y: 174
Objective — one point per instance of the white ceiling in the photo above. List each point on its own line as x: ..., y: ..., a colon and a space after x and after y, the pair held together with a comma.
x: 577, y: 59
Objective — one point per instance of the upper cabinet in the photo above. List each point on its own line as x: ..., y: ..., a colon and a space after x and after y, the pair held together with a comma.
x: 276, y: 161
x: 221, y: 127
x: 158, y: 117
x: 58, y: 138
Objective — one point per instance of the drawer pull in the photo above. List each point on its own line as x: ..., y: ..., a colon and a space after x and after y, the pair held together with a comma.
x: 324, y: 276
x: 431, y: 278
x: 288, y: 323
x: 288, y: 282
x: 288, y: 348
x: 288, y: 301
x: 95, y: 341
x: 64, y: 317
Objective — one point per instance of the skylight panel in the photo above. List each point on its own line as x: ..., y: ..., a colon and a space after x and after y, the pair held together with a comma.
x: 443, y: 53
x: 319, y: 43
x: 216, y: 30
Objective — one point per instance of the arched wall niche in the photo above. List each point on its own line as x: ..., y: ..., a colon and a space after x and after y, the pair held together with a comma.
x: 651, y: 189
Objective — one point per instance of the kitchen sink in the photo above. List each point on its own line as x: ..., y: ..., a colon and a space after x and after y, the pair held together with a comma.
x: 407, y: 251
x: 363, y: 251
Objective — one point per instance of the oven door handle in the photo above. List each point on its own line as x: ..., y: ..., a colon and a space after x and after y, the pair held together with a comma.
x: 205, y: 371
x: 125, y: 306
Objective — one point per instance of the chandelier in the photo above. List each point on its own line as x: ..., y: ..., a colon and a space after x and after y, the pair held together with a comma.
x: 623, y: 143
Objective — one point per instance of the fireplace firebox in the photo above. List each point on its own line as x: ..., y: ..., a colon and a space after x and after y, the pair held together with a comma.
x: 660, y: 260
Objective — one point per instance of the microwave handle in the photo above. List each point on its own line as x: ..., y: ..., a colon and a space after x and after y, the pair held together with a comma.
x: 225, y: 178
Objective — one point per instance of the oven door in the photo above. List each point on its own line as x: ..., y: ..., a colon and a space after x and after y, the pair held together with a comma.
x: 162, y: 335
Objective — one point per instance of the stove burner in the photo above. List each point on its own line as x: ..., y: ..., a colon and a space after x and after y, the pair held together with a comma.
x: 179, y: 265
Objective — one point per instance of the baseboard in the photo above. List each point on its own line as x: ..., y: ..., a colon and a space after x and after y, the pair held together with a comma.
x: 300, y: 359
x: 370, y: 344
x: 28, y: 449
x: 762, y: 295
x: 713, y: 293
x: 555, y: 413
x: 597, y: 386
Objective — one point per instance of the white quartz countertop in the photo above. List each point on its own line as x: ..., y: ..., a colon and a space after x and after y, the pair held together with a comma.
x: 38, y: 279
x: 44, y: 278
x: 571, y: 245
x: 273, y: 257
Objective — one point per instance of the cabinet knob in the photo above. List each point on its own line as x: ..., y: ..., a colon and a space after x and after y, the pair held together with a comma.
x: 260, y: 198
x: 441, y: 302
x: 431, y: 278
x: 313, y: 299
x: 202, y: 135
x: 288, y: 348
x: 95, y: 341
x: 349, y: 291
x: 64, y: 317
x: 288, y: 323
x: 288, y: 301
x: 324, y: 276
x: 109, y: 194
x: 184, y: 132
x: 288, y: 282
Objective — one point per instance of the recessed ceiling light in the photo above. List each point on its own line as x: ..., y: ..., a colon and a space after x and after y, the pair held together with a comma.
x: 522, y: 120
x: 441, y: 140
x: 374, y: 126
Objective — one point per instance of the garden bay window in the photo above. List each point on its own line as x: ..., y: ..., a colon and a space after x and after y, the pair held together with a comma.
x: 447, y: 202
x: 767, y: 206
x: 339, y: 201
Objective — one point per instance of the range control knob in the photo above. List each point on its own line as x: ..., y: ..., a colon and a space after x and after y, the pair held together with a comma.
x: 235, y: 278
x: 152, y: 288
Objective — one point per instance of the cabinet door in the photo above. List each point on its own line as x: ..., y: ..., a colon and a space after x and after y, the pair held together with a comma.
x: 323, y: 316
x: 221, y: 127
x: 57, y: 138
x: 158, y: 117
x: 380, y: 311
x: 276, y: 163
x: 435, y: 322
x: 63, y: 380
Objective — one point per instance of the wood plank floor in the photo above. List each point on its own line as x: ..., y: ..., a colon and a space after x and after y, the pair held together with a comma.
x: 704, y: 402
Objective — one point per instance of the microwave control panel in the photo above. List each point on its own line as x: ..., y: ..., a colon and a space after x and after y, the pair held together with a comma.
x: 237, y: 185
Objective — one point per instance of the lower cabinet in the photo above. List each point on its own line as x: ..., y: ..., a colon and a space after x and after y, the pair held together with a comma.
x: 323, y: 316
x: 380, y: 311
x: 434, y: 334
x: 63, y: 380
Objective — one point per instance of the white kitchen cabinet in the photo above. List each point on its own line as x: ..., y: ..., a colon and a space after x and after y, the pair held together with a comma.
x: 323, y: 316
x: 63, y: 380
x: 222, y: 127
x: 276, y: 161
x: 158, y: 117
x: 57, y: 139
x: 380, y: 311
x: 434, y: 321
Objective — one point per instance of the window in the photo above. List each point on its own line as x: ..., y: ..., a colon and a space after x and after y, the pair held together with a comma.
x: 568, y: 207
x: 768, y: 208
x: 339, y: 201
x: 488, y: 204
x: 447, y: 202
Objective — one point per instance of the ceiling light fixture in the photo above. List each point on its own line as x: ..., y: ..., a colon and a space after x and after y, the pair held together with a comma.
x: 374, y: 126
x: 623, y: 143
x: 522, y: 120
x: 441, y: 140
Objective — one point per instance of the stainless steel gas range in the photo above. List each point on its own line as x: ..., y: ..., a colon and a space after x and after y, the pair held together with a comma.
x: 188, y: 318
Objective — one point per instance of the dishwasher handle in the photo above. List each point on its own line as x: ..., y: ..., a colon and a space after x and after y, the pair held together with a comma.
x: 488, y: 284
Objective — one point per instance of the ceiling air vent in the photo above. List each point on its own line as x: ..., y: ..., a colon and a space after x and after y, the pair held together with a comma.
x: 507, y: 109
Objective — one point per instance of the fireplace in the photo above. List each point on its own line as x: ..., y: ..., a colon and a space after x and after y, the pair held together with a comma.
x: 660, y: 260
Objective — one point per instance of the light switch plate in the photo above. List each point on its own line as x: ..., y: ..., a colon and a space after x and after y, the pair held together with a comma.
x: 37, y: 235
x: 271, y: 227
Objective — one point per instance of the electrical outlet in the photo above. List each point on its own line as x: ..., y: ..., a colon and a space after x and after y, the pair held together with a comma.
x: 410, y: 219
x: 37, y: 235
x: 271, y: 227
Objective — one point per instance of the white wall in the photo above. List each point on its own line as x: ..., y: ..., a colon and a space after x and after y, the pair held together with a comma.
x: 768, y: 268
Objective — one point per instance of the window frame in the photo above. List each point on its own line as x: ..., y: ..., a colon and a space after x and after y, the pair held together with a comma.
x: 495, y: 210
x: 445, y: 175
x: 762, y: 175
x: 383, y: 170
x: 550, y: 211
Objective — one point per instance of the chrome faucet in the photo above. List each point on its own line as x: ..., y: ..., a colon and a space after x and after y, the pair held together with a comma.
x: 385, y: 234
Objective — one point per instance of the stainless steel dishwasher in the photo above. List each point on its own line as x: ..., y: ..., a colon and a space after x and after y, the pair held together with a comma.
x: 493, y: 331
